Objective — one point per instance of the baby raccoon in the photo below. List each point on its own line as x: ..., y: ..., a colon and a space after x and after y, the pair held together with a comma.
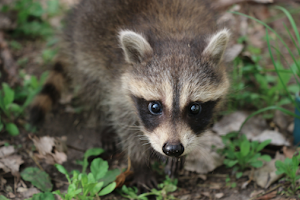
x: 151, y: 69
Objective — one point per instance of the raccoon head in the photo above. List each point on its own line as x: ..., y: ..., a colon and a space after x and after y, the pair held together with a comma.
x: 174, y: 93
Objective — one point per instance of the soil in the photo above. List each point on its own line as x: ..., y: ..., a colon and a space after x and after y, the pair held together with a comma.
x: 80, y: 137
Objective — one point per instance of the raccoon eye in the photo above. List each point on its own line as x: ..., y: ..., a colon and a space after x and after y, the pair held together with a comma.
x: 155, y: 107
x: 195, y: 108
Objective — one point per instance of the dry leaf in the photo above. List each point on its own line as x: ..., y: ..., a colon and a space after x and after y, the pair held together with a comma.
x: 233, y: 122
x: 11, y: 164
x: 276, y: 137
x: 232, y: 52
x: 219, y: 195
x: 205, y: 159
x: 120, y: 180
x: 50, y: 149
x: 5, y: 151
x: 29, y: 192
x: 266, y: 175
x: 207, y: 194
x: 215, y: 186
x: 288, y: 151
x: 281, y: 119
x: 44, y: 145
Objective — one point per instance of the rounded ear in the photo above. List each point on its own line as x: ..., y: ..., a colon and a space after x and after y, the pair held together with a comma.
x: 135, y: 47
x: 217, y: 45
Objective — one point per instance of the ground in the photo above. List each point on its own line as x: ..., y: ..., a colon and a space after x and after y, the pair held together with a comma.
x: 77, y: 134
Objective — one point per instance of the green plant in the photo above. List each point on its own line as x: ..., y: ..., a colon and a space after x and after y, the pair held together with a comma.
x: 33, y: 17
x: 289, y: 168
x: 240, y: 153
x: 284, y: 75
x: 166, y: 187
x: 229, y: 183
x: 14, y: 101
x: 84, y: 186
x: 3, y: 197
x: 99, y: 182
x: 38, y: 178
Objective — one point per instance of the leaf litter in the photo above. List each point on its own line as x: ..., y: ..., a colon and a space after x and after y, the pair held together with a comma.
x: 48, y: 149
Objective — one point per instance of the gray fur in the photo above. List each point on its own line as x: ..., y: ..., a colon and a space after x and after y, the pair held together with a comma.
x: 162, y: 55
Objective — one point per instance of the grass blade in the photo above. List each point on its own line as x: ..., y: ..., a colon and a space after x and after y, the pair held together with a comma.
x: 291, y: 21
x: 292, y: 38
x: 280, y: 78
x: 285, y: 111
x: 280, y: 38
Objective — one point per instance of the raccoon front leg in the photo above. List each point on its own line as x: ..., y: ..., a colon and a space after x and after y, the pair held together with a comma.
x: 173, y: 166
x: 144, y: 176
x: 139, y: 154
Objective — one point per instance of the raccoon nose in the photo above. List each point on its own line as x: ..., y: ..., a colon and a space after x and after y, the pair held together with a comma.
x: 174, y: 150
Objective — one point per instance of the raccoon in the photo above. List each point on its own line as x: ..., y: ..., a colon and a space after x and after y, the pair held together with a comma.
x: 151, y: 69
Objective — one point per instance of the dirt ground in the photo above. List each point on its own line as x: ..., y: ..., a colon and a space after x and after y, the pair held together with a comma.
x: 63, y: 122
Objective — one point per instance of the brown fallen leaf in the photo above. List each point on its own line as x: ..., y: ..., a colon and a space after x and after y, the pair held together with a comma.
x: 215, y: 186
x: 277, y: 138
x: 219, y: 195
x: 207, y: 194
x: 288, y: 151
x: 50, y: 149
x: 5, y: 151
x: 267, y: 196
x: 232, y: 52
x: 11, y: 164
x: 266, y: 175
x: 29, y: 192
x: 120, y: 180
x: 205, y: 159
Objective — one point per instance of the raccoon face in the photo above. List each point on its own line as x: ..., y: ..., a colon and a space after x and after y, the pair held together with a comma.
x: 174, y: 95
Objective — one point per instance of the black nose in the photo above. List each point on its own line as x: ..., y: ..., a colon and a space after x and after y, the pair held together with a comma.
x: 174, y: 150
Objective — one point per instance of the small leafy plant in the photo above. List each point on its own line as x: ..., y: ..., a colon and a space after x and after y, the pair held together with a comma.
x: 9, y: 109
x: 14, y: 101
x: 166, y: 187
x: 33, y: 17
x: 289, y: 168
x: 82, y: 186
x: 241, y: 154
x: 230, y: 183
x: 3, y: 197
x: 284, y: 71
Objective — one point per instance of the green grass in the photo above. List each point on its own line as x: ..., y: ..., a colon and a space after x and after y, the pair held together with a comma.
x: 289, y: 168
x: 277, y: 91
x: 14, y: 101
x: 98, y: 182
x: 241, y: 154
x: 33, y: 18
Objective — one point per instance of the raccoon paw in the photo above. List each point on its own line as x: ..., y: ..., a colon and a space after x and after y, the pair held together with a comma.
x: 144, y: 180
x: 173, y: 166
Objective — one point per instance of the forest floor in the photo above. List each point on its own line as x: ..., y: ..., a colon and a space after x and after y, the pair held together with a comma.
x: 74, y: 132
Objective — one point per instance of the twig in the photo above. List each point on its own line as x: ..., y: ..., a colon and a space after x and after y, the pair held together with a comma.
x: 34, y: 159
x: 75, y: 148
x: 269, y: 191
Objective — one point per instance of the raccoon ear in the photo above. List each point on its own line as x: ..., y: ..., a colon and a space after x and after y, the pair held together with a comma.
x: 217, y: 45
x: 135, y: 47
